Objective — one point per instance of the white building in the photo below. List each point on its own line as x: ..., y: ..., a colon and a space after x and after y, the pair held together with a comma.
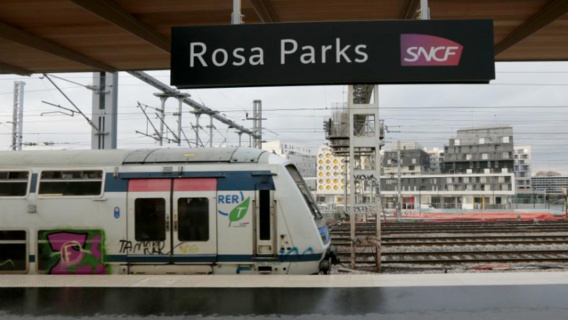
x: 436, y: 157
x: 522, y: 166
x: 304, y: 158
x: 330, y: 177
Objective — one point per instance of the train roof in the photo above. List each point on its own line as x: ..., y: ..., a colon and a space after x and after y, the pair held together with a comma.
x: 46, y: 158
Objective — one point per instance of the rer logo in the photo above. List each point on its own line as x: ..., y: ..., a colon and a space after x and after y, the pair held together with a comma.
x: 239, y: 209
x: 425, y: 50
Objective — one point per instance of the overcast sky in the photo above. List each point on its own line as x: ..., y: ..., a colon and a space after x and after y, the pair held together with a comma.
x: 530, y: 97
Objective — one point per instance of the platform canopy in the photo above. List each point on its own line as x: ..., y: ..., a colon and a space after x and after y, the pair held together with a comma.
x: 123, y: 35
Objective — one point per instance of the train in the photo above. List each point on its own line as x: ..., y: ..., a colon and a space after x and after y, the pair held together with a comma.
x: 158, y: 211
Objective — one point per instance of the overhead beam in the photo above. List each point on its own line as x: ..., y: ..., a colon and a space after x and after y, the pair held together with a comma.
x: 8, y: 68
x: 199, y: 108
x: 113, y: 13
x: 264, y: 10
x: 409, y: 9
x: 21, y: 37
x: 554, y: 10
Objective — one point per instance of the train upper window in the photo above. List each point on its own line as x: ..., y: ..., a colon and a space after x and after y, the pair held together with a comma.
x: 304, y: 190
x: 71, y: 183
x: 193, y: 216
x: 13, y: 251
x: 14, y: 183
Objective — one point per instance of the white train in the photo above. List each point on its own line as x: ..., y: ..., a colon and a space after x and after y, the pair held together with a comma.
x: 160, y: 211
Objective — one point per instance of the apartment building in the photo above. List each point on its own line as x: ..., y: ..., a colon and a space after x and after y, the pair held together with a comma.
x: 413, y: 159
x: 436, y: 158
x: 480, y: 150
x: 522, y: 167
x: 550, y: 184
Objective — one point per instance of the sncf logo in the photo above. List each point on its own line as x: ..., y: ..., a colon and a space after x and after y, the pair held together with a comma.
x: 424, y: 50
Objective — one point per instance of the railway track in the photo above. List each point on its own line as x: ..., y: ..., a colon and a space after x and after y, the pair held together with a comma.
x: 447, y: 245
x: 393, y: 241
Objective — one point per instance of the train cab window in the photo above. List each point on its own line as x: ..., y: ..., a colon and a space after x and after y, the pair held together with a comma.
x: 150, y: 219
x: 305, y: 191
x: 13, y: 251
x: 71, y: 183
x: 193, y: 217
x: 14, y: 183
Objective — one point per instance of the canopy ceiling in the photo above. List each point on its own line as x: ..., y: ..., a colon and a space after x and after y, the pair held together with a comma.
x: 123, y: 35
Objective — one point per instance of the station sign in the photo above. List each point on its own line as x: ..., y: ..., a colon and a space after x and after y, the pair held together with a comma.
x: 352, y: 52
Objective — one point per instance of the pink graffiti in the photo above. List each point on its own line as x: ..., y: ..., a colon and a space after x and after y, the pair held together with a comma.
x: 74, y: 256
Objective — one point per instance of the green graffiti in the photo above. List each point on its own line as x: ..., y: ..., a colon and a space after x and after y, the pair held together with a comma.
x: 72, y: 251
x: 239, y: 211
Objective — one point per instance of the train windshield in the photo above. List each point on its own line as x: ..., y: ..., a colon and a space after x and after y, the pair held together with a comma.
x: 304, y: 190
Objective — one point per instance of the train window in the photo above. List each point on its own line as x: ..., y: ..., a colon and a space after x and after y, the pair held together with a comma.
x: 305, y: 191
x: 13, y: 251
x: 14, y: 183
x: 150, y: 219
x: 71, y: 183
x: 193, y: 217
x: 264, y: 214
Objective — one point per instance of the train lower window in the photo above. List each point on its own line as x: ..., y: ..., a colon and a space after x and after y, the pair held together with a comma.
x: 14, y: 183
x: 150, y: 219
x: 71, y: 183
x: 193, y: 218
x: 13, y: 251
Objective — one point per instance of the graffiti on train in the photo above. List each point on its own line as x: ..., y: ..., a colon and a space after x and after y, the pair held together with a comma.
x: 295, y: 251
x: 235, y: 207
x: 71, y: 251
x: 7, y: 264
x: 142, y: 247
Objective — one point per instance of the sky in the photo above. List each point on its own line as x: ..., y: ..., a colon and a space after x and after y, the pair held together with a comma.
x: 532, y: 97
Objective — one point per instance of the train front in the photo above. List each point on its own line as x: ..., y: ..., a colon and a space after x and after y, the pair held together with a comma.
x: 302, y: 214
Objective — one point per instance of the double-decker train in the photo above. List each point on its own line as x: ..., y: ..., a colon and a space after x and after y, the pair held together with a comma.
x: 159, y: 211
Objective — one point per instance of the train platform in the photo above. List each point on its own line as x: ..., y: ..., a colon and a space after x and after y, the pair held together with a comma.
x: 285, y: 281
x: 518, y: 296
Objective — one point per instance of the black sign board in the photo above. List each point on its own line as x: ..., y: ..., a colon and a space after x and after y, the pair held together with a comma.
x: 358, y: 52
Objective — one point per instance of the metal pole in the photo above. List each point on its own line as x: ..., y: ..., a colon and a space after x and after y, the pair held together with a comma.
x: 236, y: 16
x: 399, y: 200
x: 197, y: 128
x: 210, y: 131
x: 161, y: 116
x: 345, y: 162
x: 180, y: 100
x: 424, y: 10
x: 420, y: 194
x: 18, y: 116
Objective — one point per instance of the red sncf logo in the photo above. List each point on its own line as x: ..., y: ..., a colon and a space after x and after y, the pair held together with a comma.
x: 425, y: 50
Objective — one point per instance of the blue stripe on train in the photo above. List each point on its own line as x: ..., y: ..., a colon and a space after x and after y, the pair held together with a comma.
x: 117, y: 258
x: 226, y: 180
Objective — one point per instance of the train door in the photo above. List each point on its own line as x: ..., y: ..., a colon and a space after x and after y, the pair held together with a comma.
x: 149, y: 221
x: 194, y: 221
x: 265, y: 223
x: 171, y: 222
